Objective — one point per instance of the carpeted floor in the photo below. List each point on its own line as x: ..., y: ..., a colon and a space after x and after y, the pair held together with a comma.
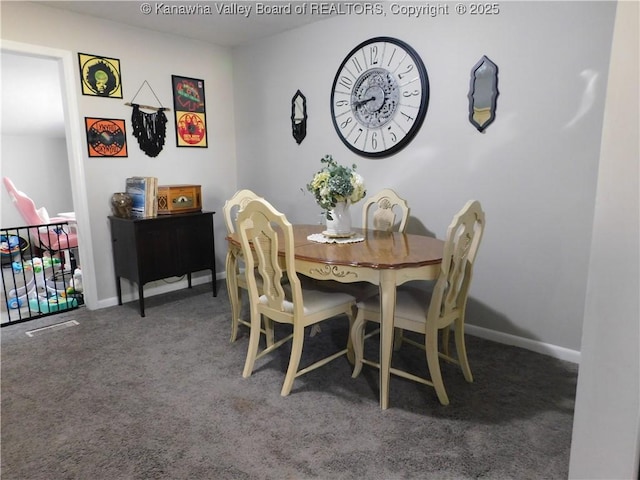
x: 162, y: 397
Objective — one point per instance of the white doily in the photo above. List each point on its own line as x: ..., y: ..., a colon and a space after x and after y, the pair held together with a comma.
x: 321, y: 238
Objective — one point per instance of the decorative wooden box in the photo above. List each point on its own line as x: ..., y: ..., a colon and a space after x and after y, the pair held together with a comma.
x: 179, y: 199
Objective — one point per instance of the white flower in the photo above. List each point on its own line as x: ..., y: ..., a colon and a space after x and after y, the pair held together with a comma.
x: 358, y: 188
x: 336, y: 183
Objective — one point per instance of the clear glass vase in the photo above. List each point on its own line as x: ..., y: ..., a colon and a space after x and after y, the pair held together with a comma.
x: 121, y: 204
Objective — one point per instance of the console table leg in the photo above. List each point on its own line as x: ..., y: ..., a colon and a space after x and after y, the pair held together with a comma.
x: 141, y: 299
x: 119, y: 290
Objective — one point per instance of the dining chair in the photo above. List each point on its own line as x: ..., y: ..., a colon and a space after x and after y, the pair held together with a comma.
x: 382, y: 207
x: 235, y: 271
x: 46, y: 234
x: 427, y: 313
x: 268, y: 248
x: 379, y: 212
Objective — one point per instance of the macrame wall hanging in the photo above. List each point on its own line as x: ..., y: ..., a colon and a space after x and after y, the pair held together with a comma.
x: 149, y: 128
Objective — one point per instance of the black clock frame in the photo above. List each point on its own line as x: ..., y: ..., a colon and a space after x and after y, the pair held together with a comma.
x: 422, y: 111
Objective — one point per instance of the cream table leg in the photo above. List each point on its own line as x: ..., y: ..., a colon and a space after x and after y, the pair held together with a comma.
x: 387, y: 312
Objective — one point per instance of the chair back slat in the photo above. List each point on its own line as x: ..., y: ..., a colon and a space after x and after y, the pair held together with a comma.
x: 265, y: 244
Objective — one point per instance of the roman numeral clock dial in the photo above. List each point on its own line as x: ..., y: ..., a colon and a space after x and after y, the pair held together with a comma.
x: 379, y: 97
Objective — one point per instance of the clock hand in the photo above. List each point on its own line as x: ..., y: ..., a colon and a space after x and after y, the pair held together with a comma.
x: 362, y: 102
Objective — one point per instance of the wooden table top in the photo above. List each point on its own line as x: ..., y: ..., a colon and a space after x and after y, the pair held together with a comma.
x: 379, y: 250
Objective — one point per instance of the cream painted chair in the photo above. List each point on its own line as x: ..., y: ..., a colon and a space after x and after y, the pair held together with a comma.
x: 236, y: 281
x: 379, y: 212
x: 263, y: 233
x: 428, y: 313
x: 381, y: 208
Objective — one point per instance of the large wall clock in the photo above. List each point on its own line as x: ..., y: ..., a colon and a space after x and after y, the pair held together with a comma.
x: 379, y: 97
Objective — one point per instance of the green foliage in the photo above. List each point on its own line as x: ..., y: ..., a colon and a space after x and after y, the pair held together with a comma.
x: 336, y: 183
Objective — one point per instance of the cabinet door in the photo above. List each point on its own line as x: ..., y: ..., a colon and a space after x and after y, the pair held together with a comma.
x: 157, y: 249
x: 125, y: 252
x: 175, y: 245
x: 196, y: 237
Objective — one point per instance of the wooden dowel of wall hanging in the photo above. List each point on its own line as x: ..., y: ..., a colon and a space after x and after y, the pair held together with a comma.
x: 148, y: 107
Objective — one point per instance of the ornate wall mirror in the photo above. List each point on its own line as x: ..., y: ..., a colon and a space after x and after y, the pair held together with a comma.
x: 483, y: 93
x: 299, y: 116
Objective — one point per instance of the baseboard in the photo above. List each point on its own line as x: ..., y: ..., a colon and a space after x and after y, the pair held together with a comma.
x: 158, y: 288
x: 554, y: 351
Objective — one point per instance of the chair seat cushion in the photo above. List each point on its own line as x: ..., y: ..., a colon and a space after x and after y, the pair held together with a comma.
x: 411, y: 303
x: 316, y: 300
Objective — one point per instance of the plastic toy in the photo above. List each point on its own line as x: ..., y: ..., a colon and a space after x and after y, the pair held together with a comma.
x: 51, y: 304
x: 18, y: 296
x: 36, y: 264
x: 43, y: 292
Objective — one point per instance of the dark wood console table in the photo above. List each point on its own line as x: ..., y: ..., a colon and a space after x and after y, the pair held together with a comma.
x: 148, y: 249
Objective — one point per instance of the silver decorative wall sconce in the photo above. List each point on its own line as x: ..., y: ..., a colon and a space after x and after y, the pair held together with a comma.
x: 483, y: 93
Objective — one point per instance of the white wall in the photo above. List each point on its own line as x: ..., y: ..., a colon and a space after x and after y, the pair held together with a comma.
x: 540, y: 156
x: 534, y: 169
x: 607, y: 415
x: 40, y: 169
x: 144, y: 55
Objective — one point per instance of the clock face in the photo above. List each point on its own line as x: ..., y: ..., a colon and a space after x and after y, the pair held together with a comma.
x: 379, y: 97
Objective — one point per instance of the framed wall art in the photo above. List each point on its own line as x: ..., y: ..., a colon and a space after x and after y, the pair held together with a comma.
x: 106, y: 137
x: 190, y: 111
x: 100, y: 76
x: 483, y: 93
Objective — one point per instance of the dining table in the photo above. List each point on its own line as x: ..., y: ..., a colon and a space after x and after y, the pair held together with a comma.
x: 386, y: 259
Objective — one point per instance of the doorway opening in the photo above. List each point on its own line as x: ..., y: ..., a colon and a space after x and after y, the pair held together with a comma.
x: 74, y: 150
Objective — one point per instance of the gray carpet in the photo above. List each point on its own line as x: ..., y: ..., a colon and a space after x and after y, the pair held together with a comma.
x: 162, y: 397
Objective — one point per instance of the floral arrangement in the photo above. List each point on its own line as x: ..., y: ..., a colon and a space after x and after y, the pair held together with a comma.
x: 335, y: 183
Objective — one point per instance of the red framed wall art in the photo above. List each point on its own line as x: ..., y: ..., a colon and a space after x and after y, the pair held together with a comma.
x: 190, y: 111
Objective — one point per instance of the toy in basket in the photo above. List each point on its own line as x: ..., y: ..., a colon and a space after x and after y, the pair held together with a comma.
x: 11, y: 246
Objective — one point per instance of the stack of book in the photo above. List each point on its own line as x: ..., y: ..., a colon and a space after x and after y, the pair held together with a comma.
x: 144, y: 192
